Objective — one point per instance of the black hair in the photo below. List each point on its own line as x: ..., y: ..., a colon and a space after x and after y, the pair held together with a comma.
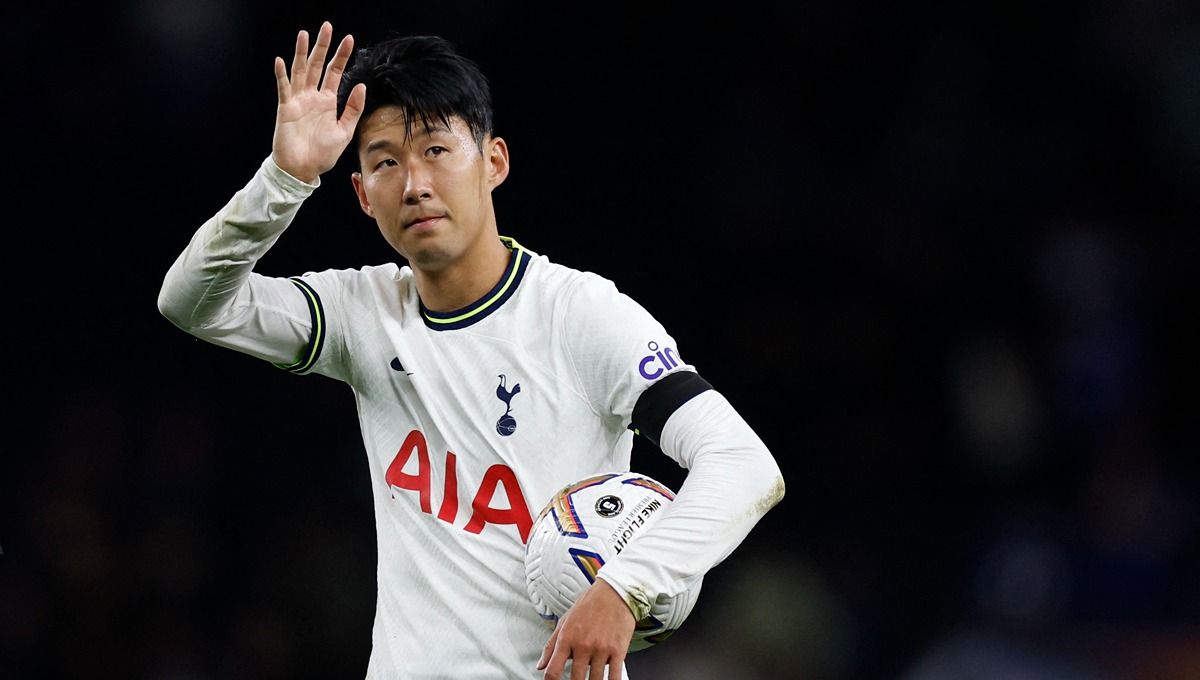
x: 426, y: 77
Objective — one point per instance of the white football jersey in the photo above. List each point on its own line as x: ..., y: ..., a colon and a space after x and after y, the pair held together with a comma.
x: 471, y: 419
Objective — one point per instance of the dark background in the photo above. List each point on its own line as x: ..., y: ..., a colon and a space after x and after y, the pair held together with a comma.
x: 942, y: 258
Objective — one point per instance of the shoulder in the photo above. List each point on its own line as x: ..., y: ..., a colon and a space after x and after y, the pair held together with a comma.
x: 358, y: 281
x: 566, y: 284
x: 589, y: 303
x: 577, y: 295
x: 388, y: 271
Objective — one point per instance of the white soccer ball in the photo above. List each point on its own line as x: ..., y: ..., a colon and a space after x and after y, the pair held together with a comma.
x: 581, y: 528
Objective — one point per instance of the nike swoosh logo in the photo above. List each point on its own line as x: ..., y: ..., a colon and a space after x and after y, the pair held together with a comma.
x: 396, y: 365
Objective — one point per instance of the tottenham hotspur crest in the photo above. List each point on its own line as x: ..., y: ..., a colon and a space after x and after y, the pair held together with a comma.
x: 507, y: 424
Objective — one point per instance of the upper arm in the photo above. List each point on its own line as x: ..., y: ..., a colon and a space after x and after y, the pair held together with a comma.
x: 628, y: 364
x: 270, y: 318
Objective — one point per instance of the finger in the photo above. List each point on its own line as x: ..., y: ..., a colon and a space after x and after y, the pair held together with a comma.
x: 549, y: 645
x: 554, y: 669
x: 316, y: 61
x: 337, y: 65
x: 300, y: 58
x: 558, y: 661
x: 579, y: 669
x: 614, y: 669
x: 597, y: 670
x: 281, y: 81
x: 354, y: 107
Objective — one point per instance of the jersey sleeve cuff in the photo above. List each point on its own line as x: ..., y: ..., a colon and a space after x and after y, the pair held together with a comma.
x: 635, y: 598
x: 292, y: 186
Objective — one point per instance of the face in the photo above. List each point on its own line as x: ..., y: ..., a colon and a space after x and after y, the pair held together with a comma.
x: 430, y: 194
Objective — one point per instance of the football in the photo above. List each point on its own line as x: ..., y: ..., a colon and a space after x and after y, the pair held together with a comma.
x: 582, y: 527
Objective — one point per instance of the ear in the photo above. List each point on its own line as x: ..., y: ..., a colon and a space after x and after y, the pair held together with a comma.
x: 496, y: 155
x: 357, y: 180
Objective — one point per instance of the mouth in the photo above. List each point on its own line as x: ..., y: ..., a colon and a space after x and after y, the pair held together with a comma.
x: 422, y: 222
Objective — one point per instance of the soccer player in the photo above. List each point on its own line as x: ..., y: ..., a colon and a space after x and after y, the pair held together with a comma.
x: 486, y: 376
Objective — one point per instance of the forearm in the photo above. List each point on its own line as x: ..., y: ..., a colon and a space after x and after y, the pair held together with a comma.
x: 211, y: 290
x: 732, y: 482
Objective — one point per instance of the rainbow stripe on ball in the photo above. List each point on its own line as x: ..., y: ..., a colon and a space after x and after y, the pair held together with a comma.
x: 563, y: 507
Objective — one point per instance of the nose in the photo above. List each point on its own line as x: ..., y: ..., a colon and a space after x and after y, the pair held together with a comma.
x: 416, y: 185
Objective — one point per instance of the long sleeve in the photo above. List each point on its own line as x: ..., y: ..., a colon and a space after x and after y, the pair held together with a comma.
x: 732, y: 482
x: 211, y: 290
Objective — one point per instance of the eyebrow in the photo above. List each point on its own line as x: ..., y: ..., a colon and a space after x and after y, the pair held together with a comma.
x: 425, y: 131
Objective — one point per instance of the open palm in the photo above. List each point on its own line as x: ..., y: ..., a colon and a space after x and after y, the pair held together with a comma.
x: 309, y: 136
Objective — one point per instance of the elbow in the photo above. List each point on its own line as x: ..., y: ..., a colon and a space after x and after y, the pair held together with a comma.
x: 171, y: 312
x: 178, y: 314
x: 773, y: 495
x: 775, y: 486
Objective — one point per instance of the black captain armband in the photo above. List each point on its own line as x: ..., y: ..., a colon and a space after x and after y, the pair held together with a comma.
x: 663, y: 398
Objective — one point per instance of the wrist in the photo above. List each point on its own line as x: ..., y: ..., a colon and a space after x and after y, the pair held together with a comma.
x: 635, y: 600
x: 302, y: 175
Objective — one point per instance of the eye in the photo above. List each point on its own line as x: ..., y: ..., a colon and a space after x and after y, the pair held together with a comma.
x: 387, y: 162
x: 436, y: 151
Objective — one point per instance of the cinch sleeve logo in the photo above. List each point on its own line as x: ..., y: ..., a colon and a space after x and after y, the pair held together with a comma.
x: 659, y: 361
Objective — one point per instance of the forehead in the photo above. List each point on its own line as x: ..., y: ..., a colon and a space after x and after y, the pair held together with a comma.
x: 392, y: 123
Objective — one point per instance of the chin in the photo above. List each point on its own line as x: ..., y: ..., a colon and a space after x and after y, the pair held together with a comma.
x: 430, y: 258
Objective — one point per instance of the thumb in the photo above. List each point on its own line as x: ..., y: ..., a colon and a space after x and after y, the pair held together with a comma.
x: 355, y: 102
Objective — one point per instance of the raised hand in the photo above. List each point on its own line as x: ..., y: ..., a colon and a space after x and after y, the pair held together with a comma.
x: 309, y: 136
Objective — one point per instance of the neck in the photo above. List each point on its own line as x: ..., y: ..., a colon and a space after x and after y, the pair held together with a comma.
x: 465, y: 281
